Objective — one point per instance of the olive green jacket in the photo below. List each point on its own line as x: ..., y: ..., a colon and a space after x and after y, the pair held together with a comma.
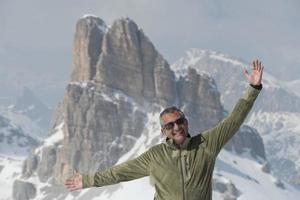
x: 180, y: 174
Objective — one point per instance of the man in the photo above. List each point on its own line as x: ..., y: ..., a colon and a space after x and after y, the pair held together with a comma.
x: 182, y: 167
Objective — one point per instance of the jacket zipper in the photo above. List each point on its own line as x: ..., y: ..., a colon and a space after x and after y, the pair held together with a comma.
x: 182, y: 176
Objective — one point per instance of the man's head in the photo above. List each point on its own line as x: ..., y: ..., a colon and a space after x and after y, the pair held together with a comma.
x: 174, y: 125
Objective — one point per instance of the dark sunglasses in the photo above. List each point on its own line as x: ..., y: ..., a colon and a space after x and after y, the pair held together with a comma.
x: 171, y: 125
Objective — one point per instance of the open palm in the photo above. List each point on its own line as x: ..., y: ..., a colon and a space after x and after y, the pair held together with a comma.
x: 255, y: 76
x: 74, y: 183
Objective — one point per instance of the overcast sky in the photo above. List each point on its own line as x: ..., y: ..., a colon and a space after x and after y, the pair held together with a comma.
x: 37, y: 35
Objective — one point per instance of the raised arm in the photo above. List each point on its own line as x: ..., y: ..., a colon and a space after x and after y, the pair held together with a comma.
x: 218, y: 136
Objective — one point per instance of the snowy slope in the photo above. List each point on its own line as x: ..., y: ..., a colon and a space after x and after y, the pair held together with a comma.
x: 281, y: 134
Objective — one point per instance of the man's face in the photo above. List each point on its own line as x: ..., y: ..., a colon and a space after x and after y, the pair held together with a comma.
x: 175, y: 127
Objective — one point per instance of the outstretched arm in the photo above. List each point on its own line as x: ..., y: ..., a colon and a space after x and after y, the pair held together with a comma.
x: 129, y: 170
x: 218, y: 136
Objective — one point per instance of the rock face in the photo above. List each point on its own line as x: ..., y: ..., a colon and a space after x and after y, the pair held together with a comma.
x: 122, y: 51
x: 228, y: 190
x: 247, y: 139
x: 23, y: 190
x: 200, y: 101
x: 118, y: 79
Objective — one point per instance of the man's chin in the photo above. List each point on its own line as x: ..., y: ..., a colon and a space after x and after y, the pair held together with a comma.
x: 179, y: 137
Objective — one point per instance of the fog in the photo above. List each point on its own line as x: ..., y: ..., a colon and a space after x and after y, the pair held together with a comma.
x: 36, y: 36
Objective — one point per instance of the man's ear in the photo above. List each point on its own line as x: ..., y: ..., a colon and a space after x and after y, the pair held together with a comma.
x: 162, y: 131
x: 186, y: 122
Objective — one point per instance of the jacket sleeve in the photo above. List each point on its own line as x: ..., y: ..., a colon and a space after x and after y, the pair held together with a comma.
x: 217, y: 137
x: 126, y: 171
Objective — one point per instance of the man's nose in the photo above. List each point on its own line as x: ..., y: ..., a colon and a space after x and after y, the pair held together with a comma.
x: 176, y: 127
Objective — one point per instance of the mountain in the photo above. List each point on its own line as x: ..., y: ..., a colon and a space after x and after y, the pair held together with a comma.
x: 15, y: 145
x: 275, y: 114
x: 30, y: 105
x: 14, y: 142
x: 228, y: 74
x: 29, y: 113
x: 109, y: 113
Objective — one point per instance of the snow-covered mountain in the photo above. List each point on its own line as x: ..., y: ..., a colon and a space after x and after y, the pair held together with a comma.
x: 275, y: 115
x: 13, y: 140
x: 109, y: 114
x: 29, y: 113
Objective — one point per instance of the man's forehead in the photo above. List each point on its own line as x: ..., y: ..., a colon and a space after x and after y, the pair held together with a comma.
x: 171, y: 115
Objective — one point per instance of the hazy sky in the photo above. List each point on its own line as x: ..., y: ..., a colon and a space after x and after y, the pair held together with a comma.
x: 37, y: 35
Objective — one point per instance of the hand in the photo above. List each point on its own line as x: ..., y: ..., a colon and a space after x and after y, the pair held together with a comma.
x: 257, y: 70
x: 74, y: 183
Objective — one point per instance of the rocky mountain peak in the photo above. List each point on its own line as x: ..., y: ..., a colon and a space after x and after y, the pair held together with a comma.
x: 87, y: 47
x: 122, y: 51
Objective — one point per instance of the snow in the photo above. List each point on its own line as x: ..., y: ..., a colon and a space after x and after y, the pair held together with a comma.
x: 256, y: 184
x: 12, y: 167
x: 89, y: 15
x: 224, y: 58
x: 149, y: 137
x: 56, y: 137
x: 80, y: 84
x: 103, y: 27
x: 280, y: 132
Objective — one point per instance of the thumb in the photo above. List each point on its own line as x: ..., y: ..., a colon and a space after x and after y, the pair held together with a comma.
x: 247, y: 74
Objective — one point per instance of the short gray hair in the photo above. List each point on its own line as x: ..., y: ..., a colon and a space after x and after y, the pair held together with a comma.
x: 172, y: 109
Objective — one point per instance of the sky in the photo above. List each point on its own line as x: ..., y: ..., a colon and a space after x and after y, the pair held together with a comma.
x: 36, y: 35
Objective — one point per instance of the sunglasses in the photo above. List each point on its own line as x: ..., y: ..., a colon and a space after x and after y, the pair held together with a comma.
x: 171, y: 125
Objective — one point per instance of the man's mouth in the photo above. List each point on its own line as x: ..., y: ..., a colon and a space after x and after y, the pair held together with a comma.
x: 178, y: 133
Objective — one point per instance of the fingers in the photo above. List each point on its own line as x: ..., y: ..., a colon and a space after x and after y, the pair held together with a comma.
x: 261, y: 71
x: 72, y: 185
x: 256, y: 65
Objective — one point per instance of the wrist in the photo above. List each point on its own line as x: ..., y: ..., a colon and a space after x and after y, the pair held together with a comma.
x: 256, y: 86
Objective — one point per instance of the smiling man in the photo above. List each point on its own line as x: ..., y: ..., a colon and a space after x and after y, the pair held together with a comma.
x: 181, y: 168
